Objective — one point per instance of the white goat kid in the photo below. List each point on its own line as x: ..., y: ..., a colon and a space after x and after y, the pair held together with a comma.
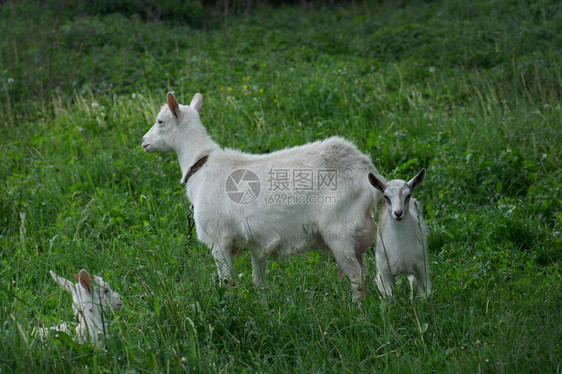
x: 91, y: 299
x: 332, y: 212
x: 402, y: 237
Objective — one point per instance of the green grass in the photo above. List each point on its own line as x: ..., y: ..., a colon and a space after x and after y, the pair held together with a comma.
x: 469, y: 90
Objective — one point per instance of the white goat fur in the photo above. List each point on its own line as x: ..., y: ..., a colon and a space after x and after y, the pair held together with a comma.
x: 344, y: 229
x: 401, y: 237
x: 91, y: 299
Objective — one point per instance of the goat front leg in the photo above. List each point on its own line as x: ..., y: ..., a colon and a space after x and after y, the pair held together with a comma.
x: 385, y: 283
x: 414, y: 284
x: 223, y: 260
x: 259, y: 267
x: 423, y: 281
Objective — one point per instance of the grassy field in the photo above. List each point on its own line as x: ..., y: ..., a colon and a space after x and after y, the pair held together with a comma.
x: 468, y: 89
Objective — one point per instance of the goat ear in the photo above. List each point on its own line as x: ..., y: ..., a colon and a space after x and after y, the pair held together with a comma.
x: 173, y: 105
x: 376, y: 182
x: 417, y: 179
x: 64, y: 283
x: 197, y: 102
x: 85, y: 280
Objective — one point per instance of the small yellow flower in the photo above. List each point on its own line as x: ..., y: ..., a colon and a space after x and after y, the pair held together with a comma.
x: 245, y: 87
x: 248, y: 78
x: 290, y: 94
x: 345, y: 101
x: 245, y: 94
x: 315, y: 78
x: 274, y: 100
x: 382, y: 111
x: 243, y: 79
x: 276, y: 96
x: 311, y: 86
x: 298, y: 130
x: 366, y: 100
x: 222, y: 88
x: 229, y: 89
x: 261, y: 90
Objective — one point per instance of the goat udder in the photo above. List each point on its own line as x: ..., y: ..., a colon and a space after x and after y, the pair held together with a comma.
x: 364, y: 236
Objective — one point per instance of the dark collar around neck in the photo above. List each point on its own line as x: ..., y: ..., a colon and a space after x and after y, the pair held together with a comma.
x: 195, y: 168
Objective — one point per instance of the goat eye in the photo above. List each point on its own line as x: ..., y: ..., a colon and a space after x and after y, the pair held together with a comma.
x: 160, y: 123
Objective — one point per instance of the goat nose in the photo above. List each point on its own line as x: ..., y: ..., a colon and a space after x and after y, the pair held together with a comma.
x: 398, y: 213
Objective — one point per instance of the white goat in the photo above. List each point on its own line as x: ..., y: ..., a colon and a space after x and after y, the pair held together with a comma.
x: 316, y: 196
x: 91, y: 299
x: 402, y: 237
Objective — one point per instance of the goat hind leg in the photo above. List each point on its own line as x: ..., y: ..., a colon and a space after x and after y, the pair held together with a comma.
x: 349, y: 265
